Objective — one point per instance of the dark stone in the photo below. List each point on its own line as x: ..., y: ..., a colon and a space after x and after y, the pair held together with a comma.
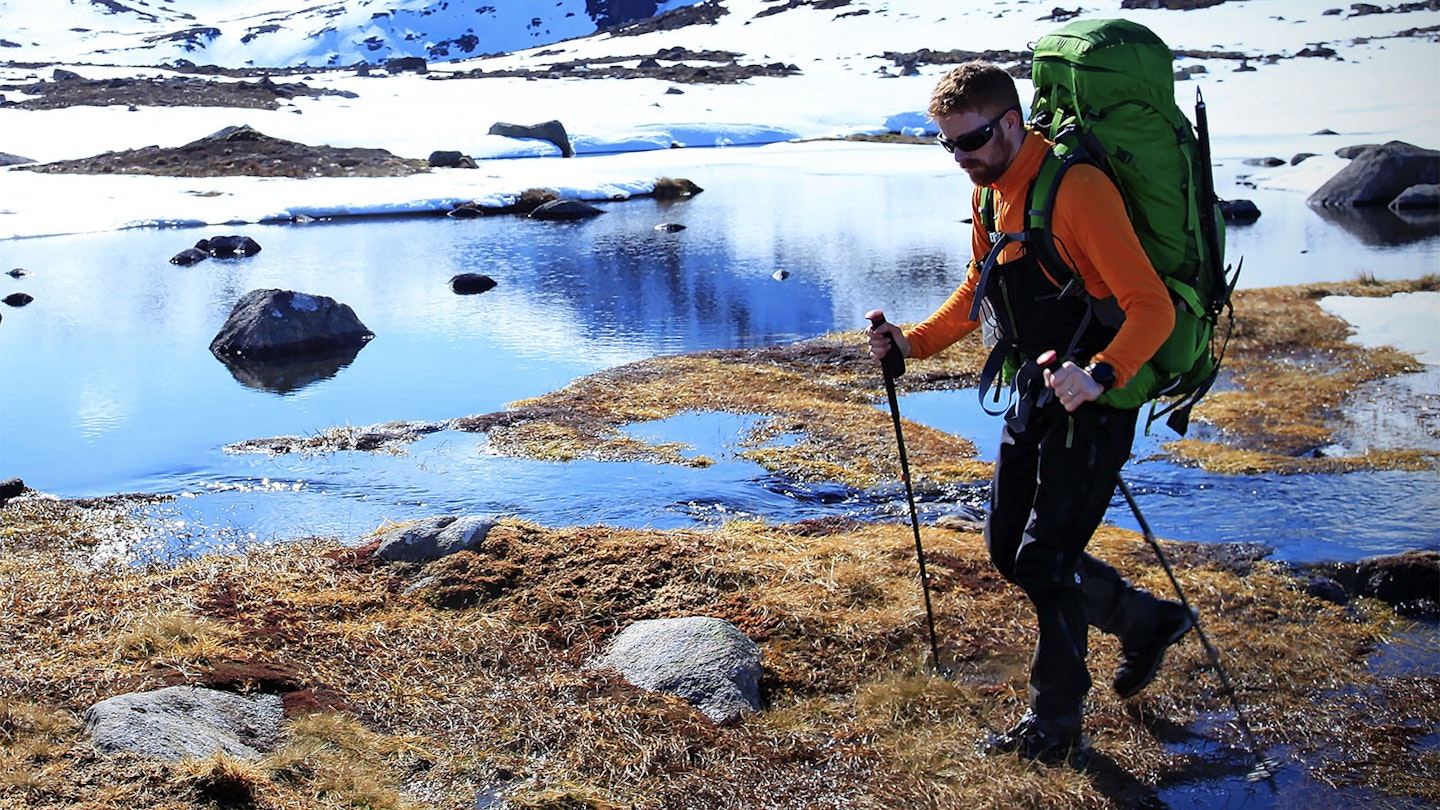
x: 1325, y: 588
x: 63, y: 75
x: 189, y: 256
x: 7, y: 159
x: 1300, y: 157
x: 552, y: 131
x: 448, y: 159
x: 10, y: 488
x: 18, y: 272
x: 1267, y: 162
x: 415, y: 64
x: 561, y: 210
x: 1378, y: 175
x: 18, y: 299
x: 471, y: 283
x: 1410, y: 581
x: 1422, y: 197
x: 670, y: 227
x: 1355, y: 150
x: 267, y: 325
x: 229, y: 247
x: 674, y: 188
x: 1239, y: 212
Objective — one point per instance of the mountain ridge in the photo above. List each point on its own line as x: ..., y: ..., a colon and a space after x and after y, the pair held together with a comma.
x: 334, y: 34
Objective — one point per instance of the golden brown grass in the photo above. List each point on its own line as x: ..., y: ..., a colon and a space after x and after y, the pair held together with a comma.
x: 1292, y: 370
x: 419, y: 686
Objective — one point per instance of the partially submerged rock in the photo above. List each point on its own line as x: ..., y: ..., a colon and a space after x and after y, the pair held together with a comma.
x: 271, y: 324
x: 1379, y: 174
x: 562, y: 210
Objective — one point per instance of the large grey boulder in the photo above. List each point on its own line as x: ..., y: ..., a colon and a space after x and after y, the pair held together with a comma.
x: 552, y: 131
x: 186, y: 721
x: 274, y: 324
x: 1378, y: 175
x: 706, y: 661
x: 432, y: 538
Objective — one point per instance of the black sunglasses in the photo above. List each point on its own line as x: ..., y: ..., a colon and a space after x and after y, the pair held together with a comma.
x: 974, y: 139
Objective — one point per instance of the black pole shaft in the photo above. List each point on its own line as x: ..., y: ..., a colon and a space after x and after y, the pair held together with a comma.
x: 914, y: 516
x: 892, y: 365
x: 1262, y: 766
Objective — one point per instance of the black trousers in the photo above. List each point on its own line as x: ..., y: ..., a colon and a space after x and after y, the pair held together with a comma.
x: 1054, y: 479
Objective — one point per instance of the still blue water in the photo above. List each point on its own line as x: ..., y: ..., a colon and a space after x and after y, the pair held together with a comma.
x: 110, y: 386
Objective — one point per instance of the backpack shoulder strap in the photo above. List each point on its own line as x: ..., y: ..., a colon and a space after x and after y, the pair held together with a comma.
x: 1040, y: 205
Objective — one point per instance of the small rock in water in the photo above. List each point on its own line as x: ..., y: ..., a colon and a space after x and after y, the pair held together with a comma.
x: 780, y: 275
x: 18, y: 299
x: 669, y: 227
x: 18, y: 272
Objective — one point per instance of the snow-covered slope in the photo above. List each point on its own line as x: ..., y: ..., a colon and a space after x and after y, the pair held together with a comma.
x: 273, y: 33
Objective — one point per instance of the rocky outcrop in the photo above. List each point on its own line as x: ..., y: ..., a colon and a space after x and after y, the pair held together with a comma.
x: 1377, y: 175
x: 272, y: 324
x: 706, y: 661
x: 11, y: 488
x: 184, y: 721
x: 451, y: 159
x: 552, y: 131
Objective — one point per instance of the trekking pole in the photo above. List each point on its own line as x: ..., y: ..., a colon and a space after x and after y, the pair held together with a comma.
x: 1264, y: 767
x: 893, y: 365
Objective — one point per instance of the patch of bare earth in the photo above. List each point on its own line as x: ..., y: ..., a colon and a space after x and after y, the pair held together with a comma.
x: 241, y: 151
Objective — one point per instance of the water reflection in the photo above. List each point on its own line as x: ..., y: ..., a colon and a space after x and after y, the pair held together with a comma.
x: 1382, y: 227
x: 287, y: 375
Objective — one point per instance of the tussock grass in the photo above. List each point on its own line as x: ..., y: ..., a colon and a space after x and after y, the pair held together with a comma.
x: 399, y: 698
x: 1291, y: 370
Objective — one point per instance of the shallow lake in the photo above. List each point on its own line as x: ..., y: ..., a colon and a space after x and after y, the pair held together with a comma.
x: 110, y: 386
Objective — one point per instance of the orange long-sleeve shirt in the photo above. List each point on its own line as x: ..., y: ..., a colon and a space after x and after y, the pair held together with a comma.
x: 1092, y: 231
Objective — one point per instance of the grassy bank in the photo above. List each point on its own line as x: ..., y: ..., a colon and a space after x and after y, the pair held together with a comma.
x: 423, y: 687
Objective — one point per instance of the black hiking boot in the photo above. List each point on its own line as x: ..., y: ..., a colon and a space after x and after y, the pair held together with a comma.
x: 1036, y: 738
x: 1142, y: 661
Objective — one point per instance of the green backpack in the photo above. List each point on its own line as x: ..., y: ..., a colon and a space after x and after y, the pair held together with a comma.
x: 1105, y: 93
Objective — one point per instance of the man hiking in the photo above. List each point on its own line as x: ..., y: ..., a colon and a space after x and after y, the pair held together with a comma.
x: 1060, y: 451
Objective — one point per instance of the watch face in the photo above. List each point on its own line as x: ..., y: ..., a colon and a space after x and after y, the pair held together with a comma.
x: 1102, y: 373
